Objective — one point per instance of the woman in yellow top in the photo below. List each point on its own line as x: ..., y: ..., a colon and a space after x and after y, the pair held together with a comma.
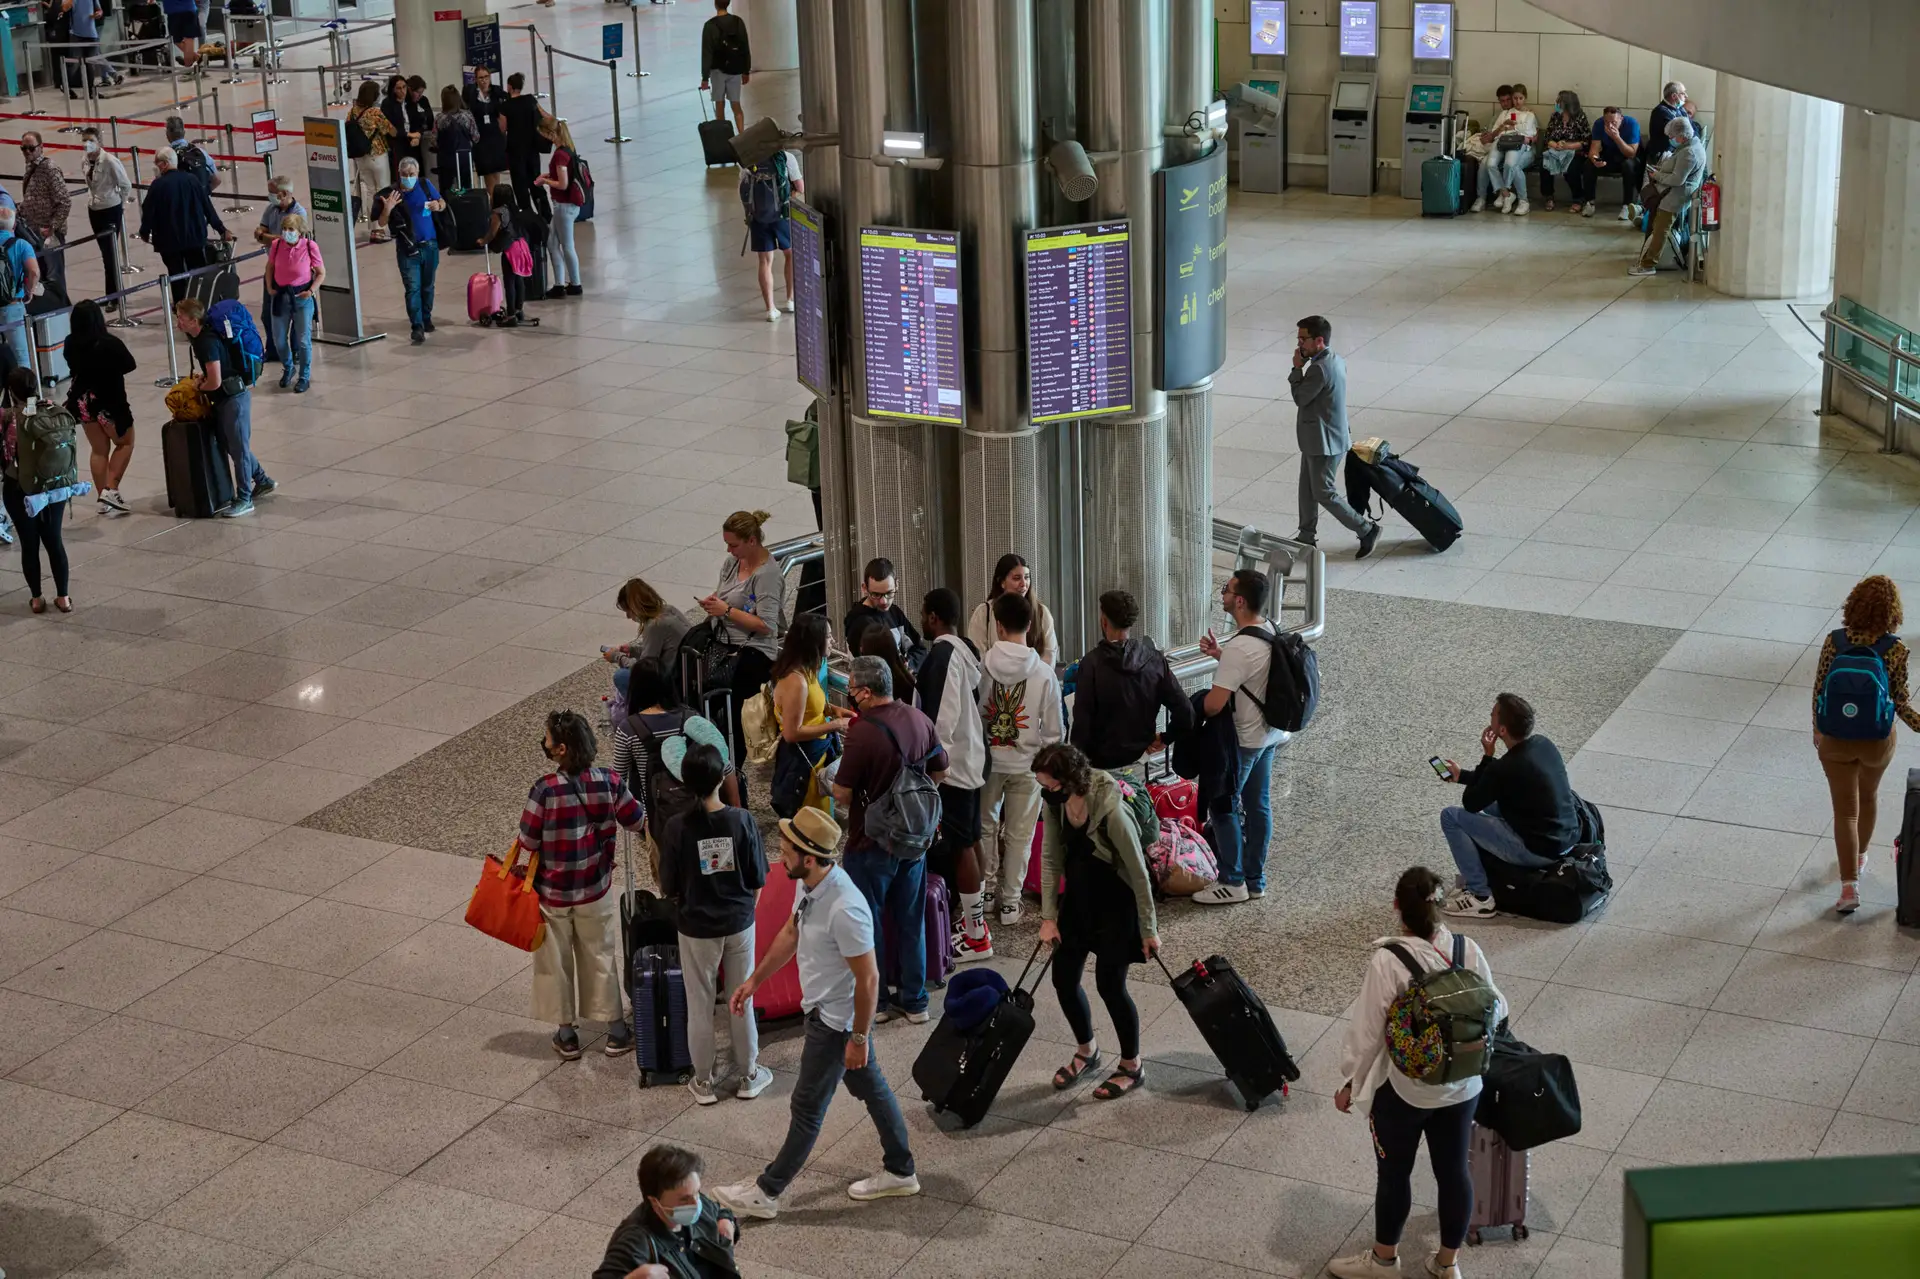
x: 1855, y: 744
x: 807, y: 723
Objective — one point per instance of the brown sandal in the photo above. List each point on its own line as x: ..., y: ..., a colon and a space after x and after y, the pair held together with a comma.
x: 1067, y: 1075
x: 1113, y: 1088
x: 64, y: 603
x: 37, y: 605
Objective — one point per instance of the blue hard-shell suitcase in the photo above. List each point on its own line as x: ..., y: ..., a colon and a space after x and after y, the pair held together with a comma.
x: 1440, y: 187
x: 658, y: 994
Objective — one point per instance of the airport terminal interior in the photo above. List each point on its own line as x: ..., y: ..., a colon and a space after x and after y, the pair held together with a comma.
x: 247, y: 783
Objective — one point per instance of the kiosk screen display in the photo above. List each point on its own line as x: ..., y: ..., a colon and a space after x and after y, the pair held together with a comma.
x: 1351, y: 95
x: 809, y: 301
x: 1428, y: 98
x: 910, y: 307
x: 1359, y: 29
x: 1433, y: 32
x: 1269, y: 20
x: 1080, y: 321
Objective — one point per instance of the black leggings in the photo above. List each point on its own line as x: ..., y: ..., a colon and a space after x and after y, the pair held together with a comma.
x: 1110, y: 979
x: 750, y: 675
x: 1397, y: 1129
x: 37, y: 531
x: 514, y: 288
x: 101, y: 220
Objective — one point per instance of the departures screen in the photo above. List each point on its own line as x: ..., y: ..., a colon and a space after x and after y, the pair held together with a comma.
x: 910, y: 310
x: 1080, y: 321
x: 810, y: 301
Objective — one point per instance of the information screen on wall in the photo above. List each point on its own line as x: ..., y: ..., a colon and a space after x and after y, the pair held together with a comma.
x: 1269, y: 21
x: 1080, y: 321
x: 810, y: 301
x: 910, y: 309
x: 1433, y: 31
x: 1359, y: 29
x: 1193, y: 266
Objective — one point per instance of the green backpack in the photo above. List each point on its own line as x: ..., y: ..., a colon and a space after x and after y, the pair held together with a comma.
x: 47, y: 459
x: 803, y: 449
x: 1140, y: 811
x: 1439, y: 1027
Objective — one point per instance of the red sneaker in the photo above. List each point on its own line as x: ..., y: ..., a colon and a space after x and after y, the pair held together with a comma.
x: 972, y: 948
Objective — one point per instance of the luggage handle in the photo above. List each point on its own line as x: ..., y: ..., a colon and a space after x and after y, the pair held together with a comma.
x: 1021, y: 980
x: 1197, y: 967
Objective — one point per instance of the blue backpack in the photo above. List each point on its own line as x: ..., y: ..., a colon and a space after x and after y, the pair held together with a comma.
x: 232, y: 321
x: 1855, y: 702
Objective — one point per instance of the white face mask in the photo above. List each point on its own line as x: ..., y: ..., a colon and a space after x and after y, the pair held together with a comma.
x: 291, y: 237
x: 92, y: 146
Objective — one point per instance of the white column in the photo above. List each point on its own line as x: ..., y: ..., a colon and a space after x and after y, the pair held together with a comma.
x: 773, y: 27
x: 1777, y: 155
x: 1877, y: 256
x: 431, y: 46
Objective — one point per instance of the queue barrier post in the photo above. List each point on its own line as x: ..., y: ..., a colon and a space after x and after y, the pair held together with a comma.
x: 533, y: 56
x: 553, y: 82
x: 613, y: 78
x: 33, y: 100
x: 637, y: 71
x: 233, y: 167
x: 173, y: 356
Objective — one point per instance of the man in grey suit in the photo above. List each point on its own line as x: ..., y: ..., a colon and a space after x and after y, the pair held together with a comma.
x: 1319, y: 382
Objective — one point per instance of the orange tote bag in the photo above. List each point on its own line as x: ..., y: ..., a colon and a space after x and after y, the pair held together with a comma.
x: 504, y: 906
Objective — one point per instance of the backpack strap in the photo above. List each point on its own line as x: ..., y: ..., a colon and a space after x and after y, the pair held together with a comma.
x: 1459, y: 951
x: 1414, y: 970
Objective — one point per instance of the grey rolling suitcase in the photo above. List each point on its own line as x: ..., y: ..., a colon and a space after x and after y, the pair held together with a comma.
x: 1499, y: 1185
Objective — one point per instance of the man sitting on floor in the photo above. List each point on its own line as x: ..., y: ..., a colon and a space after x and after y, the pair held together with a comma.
x: 1518, y: 809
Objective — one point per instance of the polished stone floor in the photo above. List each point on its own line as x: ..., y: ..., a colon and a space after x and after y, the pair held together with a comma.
x: 232, y: 1045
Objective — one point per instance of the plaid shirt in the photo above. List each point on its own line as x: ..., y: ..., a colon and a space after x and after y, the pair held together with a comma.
x: 568, y: 823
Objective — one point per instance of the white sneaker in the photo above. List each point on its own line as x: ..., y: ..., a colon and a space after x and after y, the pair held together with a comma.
x: 1637, y: 270
x: 1502, y: 200
x: 1220, y: 895
x: 918, y: 1019
x: 1626, y: 213
x: 1437, y: 1271
x: 1465, y: 904
x: 753, y: 1085
x: 1362, y: 1265
x: 1520, y: 208
x: 1587, y: 211
x: 787, y: 306
x: 113, y: 499
x: 883, y: 1185
x: 748, y: 1200
x: 1010, y: 912
x: 1478, y: 206
x: 702, y: 1090
x: 1849, y: 900
x: 773, y: 316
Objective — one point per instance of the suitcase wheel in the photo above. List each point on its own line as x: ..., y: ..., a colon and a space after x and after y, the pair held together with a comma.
x: 1253, y: 1105
x: 1520, y: 1232
x: 1473, y: 1238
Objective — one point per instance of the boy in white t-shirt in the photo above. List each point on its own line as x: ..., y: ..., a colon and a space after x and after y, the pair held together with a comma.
x: 1242, y: 819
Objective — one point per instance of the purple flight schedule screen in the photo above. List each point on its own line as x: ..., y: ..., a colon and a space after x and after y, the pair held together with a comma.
x: 910, y: 307
x: 810, y: 301
x: 1080, y: 321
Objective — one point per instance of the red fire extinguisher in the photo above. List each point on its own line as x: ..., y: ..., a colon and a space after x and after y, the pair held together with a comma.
x: 1710, y: 205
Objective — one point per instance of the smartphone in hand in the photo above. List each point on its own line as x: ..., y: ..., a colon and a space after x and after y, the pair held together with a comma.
x: 1440, y: 766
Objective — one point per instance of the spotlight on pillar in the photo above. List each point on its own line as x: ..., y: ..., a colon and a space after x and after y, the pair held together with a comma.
x: 1072, y: 171
x: 906, y: 151
x: 1255, y: 108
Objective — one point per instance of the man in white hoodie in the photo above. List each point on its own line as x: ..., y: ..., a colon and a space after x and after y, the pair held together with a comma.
x: 949, y: 693
x: 1020, y: 704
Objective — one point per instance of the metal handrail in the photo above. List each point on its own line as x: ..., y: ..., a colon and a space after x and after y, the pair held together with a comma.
x: 1896, y: 356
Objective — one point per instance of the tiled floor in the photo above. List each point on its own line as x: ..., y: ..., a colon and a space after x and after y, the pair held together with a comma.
x: 237, y: 1047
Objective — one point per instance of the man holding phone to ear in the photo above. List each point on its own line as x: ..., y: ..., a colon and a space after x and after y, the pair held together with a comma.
x: 1519, y: 808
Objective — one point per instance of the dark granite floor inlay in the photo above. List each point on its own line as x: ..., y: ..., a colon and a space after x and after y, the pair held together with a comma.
x: 1354, y: 800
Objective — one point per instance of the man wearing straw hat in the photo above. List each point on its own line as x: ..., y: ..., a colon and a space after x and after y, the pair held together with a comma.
x: 830, y: 934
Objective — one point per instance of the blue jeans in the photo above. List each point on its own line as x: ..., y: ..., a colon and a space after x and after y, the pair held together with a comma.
x: 1502, y: 170
x: 293, y: 318
x: 822, y: 1066
x: 1242, y: 821
x: 19, y: 337
x: 896, y: 893
x: 233, y: 420
x: 416, y: 276
x: 566, y: 259
x: 1470, y: 834
x: 622, y: 676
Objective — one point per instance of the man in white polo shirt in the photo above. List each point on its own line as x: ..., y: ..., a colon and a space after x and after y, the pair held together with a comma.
x: 830, y: 934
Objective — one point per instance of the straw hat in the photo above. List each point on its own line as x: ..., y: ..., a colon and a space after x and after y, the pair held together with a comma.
x: 813, y: 832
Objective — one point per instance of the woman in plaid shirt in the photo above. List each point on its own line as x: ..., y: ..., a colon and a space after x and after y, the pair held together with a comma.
x: 568, y: 824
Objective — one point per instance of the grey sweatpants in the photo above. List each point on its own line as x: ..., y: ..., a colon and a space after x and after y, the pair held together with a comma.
x: 1319, y: 486
x: 711, y: 967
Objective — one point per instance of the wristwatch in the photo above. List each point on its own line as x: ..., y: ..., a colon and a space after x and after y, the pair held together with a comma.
x: 856, y: 1037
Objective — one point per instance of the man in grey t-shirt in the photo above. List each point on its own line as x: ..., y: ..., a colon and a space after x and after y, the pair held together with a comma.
x: 830, y: 935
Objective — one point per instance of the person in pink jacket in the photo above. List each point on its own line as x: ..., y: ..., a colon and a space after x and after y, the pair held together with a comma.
x: 294, y: 275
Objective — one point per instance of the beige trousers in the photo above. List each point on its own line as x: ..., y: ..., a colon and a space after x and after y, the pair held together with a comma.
x: 1009, y: 810
x: 576, y: 971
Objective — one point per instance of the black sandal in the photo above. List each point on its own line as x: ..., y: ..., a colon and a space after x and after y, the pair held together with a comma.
x: 1069, y: 1074
x: 1113, y: 1088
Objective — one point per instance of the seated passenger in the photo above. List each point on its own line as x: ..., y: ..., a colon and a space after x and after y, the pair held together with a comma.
x: 1669, y: 189
x: 1518, y: 809
x: 1615, y: 150
x: 1674, y: 104
x: 658, y: 638
x: 1568, y: 134
x: 1123, y: 682
x: 1512, y: 135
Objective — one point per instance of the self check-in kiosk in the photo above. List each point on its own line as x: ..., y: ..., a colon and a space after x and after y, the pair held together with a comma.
x: 1351, y: 113
x: 1423, y: 131
x: 1263, y: 148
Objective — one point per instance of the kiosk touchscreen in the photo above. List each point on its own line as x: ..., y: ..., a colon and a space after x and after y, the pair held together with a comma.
x: 1351, y: 114
x: 1423, y: 130
x: 1263, y: 148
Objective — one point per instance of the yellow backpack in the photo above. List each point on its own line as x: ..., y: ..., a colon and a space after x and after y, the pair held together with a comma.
x: 186, y: 402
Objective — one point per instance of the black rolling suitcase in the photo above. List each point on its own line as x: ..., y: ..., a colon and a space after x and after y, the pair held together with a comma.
x: 1237, y: 1026
x: 1398, y: 484
x: 716, y: 138
x: 963, y: 1070
x: 1906, y: 863
x: 199, y: 481
x: 216, y: 286
x: 658, y: 993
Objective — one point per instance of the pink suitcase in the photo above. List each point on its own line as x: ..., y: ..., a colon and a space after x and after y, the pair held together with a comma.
x: 486, y: 295
x: 1500, y: 1176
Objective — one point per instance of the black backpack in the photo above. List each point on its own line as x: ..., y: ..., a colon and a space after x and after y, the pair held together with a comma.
x: 359, y: 145
x: 730, y: 51
x: 1293, y: 681
x: 191, y: 159
x: 667, y: 796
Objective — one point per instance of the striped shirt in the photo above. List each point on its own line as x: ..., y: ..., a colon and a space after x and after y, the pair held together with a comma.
x: 568, y: 824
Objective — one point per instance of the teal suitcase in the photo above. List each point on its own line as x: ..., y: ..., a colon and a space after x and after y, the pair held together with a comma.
x: 1440, y: 187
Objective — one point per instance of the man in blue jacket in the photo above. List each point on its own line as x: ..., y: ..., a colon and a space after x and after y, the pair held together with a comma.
x: 415, y: 242
x: 175, y: 216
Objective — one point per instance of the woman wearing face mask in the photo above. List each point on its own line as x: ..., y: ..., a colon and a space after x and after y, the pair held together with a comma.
x: 746, y: 603
x: 280, y: 203
x: 676, y: 1231
x: 1012, y: 575
x: 1569, y: 133
x: 294, y: 275
x: 97, y: 395
x: 108, y: 191
x: 1102, y: 908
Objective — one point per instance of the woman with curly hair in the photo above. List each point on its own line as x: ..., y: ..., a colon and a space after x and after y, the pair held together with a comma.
x: 1860, y: 686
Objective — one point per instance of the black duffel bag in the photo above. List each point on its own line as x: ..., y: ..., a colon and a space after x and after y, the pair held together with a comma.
x: 1563, y: 893
x: 1527, y: 1096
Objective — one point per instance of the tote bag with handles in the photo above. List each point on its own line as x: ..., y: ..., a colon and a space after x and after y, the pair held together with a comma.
x: 504, y: 906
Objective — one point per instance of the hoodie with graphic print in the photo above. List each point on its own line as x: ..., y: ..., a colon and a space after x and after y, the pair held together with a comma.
x: 1020, y: 704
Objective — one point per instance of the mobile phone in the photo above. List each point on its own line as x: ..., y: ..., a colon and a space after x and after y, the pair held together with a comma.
x: 1439, y: 766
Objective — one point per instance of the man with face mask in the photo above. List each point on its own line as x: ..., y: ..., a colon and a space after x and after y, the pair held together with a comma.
x: 676, y: 1232
x: 406, y: 209
x: 108, y: 191
x: 831, y: 935
x: 19, y: 280
x: 45, y: 204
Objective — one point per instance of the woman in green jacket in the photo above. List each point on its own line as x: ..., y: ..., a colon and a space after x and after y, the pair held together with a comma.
x: 1096, y: 898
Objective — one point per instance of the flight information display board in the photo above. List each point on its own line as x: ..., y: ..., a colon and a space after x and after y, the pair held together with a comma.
x: 910, y: 309
x: 1080, y: 321
x: 810, y: 301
